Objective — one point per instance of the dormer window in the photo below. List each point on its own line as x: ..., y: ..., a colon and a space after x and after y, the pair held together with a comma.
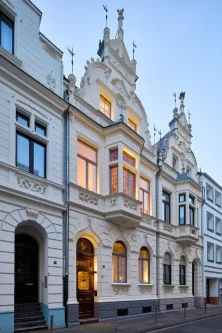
x: 6, y: 33
x: 132, y: 124
x: 175, y: 163
x: 105, y: 106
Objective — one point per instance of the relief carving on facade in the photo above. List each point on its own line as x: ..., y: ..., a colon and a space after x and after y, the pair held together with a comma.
x: 167, y: 228
x: 84, y: 196
x: 50, y: 51
x: 183, y: 289
x: 120, y: 290
x: 168, y: 289
x: 51, y: 81
x: 32, y: 214
x: 144, y: 290
x: 130, y: 204
x: 31, y: 185
x: 146, y: 219
x: 113, y: 202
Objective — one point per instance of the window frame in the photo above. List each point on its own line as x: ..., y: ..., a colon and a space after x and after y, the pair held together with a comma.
x: 148, y: 192
x: 10, y: 23
x: 208, y: 228
x: 44, y: 128
x: 165, y: 274
x: 220, y: 248
x: 192, y: 209
x: 182, y: 267
x: 105, y: 100
x: 208, y: 186
x: 128, y: 180
x: 88, y: 161
x: 31, y: 153
x: 182, y: 206
x: 210, y: 244
x: 218, y: 219
x: 24, y: 117
x: 180, y: 195
x: 132, y: 124
x: 141, y: 259
x: 110, y: 178
x: 217, y: 194
x: 164, y: 204
x: 117, y: 254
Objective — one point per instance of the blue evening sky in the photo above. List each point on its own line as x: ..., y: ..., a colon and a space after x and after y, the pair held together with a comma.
x: 179, y: 48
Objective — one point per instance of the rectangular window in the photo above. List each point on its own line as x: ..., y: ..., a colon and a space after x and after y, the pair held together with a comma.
x: 182, y: 275
x: 191, y: 200
x: 218, y: 254
x: 105, y: 106
x: 113, y: 155
x: 182, y: 197
x: 132, y: 125
x: 87, y: 166
x: 129, y: 182
x: 114, y: 179
x: 210, y: 252
x: 217, y: 198
x: 21, y: 119
x: 167, y: 274
x: 145, y: 195
x: 210, y: 221
x: 40, y: 129
x: 6, y: 33
x: 30, y: 155
x: 175, y: 163
x: 129, y: 159
x: 210, y: 193
x: 218, y: 226
x: 166, y: 206
x: 182, y: 214
x: 192, y: 215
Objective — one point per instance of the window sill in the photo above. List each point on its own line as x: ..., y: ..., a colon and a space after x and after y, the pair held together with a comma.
x: 120, y: 284
x: 145, y: 285
x: 169, y: 285
x: 10, y: 57
x: 183, y: 286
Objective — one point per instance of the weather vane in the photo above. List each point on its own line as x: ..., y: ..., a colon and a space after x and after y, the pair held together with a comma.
x: 134, y: 46
x: 175, y: 99
x: 106, y: 10
x: 72, y: 54
x: 154, y: 129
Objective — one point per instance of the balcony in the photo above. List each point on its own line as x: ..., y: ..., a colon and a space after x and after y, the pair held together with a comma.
x: 123, y: 210
x: 187, y: 234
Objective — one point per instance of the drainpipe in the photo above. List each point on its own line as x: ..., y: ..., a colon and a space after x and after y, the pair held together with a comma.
x: 202, y: 236
x: 159, y: 163
x: 66, y: 214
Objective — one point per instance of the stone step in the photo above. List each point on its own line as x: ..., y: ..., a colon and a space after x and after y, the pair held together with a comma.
x: 24, y: 313
x: 31, y: 328
x: 28, y: 317
x: 30, y: 323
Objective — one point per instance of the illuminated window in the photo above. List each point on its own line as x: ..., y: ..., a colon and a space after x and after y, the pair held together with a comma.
x: 132, y: 125
x: 144, y: 266
x: 182, y: 271
x: 129, y: 182
x: 144, y: 195
x: 113, y: 155
x: 119, y: 267
x: 114, y: 179
x: 86, y: 166
x: 167, y: 269
x: 129, y: 159
x: 105, y: 106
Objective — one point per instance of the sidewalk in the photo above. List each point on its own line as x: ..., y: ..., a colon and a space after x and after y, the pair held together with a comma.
x: 146, y: 323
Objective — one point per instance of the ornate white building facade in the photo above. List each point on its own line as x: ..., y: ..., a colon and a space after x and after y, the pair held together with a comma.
x: 134, y: 209
x: 94, y: 220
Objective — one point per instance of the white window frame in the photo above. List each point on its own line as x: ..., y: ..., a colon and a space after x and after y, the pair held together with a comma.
x: 210, y: 216
x: 210, y: 252
x: 218, y: 252
x: 217, y: 195
x: 209, y: 191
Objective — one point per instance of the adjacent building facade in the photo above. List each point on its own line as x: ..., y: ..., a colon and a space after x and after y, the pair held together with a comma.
x: 212, y: 246
x: 95, y: 221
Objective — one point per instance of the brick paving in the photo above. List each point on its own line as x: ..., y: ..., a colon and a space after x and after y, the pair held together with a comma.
x: 147, y: 322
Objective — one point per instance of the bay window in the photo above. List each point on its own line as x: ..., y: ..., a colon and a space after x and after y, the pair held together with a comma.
x: 86, y: 166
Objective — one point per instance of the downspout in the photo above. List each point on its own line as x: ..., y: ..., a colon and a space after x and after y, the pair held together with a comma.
x: 159, y: 162
x: 202, y: 237
x: 66, y: 214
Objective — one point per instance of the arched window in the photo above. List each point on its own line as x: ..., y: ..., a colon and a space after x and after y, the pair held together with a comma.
x: 182, y: 271
x: 167, y: 269
x: 144, y: 266
x: 119, y: 263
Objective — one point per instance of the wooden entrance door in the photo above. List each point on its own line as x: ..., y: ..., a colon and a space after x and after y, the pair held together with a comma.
x: 85, y: 278
x: 26, y: 269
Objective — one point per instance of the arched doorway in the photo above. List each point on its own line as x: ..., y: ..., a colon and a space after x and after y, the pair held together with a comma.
x: 85, y: 278
x: 26, y: 269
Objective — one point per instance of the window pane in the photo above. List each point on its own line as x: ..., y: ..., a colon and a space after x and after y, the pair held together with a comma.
x: 91, y: 177
x: 167, y: 212
x: 145, y: 271
x: 114, y: 268
x: 113, y: 155
x: 182, y: 215
x: 86, y: 151
x: 131, y: 184
x: 39, y: 160
x: 114, y: 179
x: 40, y: 129
x: 144, y: 253
x: 144, y: 184
x: 132, y: 125
x: 105, y: 106
x: 191, y: 216
x: 22, y: 152
x: 22, y: 119
x: 122, y: 269
x: 119, y: 248
x: 81, y: 172
x: 129, y: 159
x: 166, y: 196
x: 191, y: 200
x: 146, y: 203
x: 125, y: 181
x: 182, y: 198
x: 6, y: 36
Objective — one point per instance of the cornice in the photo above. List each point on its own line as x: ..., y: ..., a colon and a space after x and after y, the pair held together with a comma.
x: 144, y: 160
x: 21, y: 80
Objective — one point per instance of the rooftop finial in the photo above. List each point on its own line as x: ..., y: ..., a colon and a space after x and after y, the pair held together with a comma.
x: 120, y: 23
x: 72, y: 54
x: 181, y: 98
x: 106, y: 10
x: 183, y: 168
x: 134, y: 46
x: 154, y: 133
x: 175, y: 110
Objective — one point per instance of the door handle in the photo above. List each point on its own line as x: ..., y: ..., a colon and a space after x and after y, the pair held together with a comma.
x: 29, y: 284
